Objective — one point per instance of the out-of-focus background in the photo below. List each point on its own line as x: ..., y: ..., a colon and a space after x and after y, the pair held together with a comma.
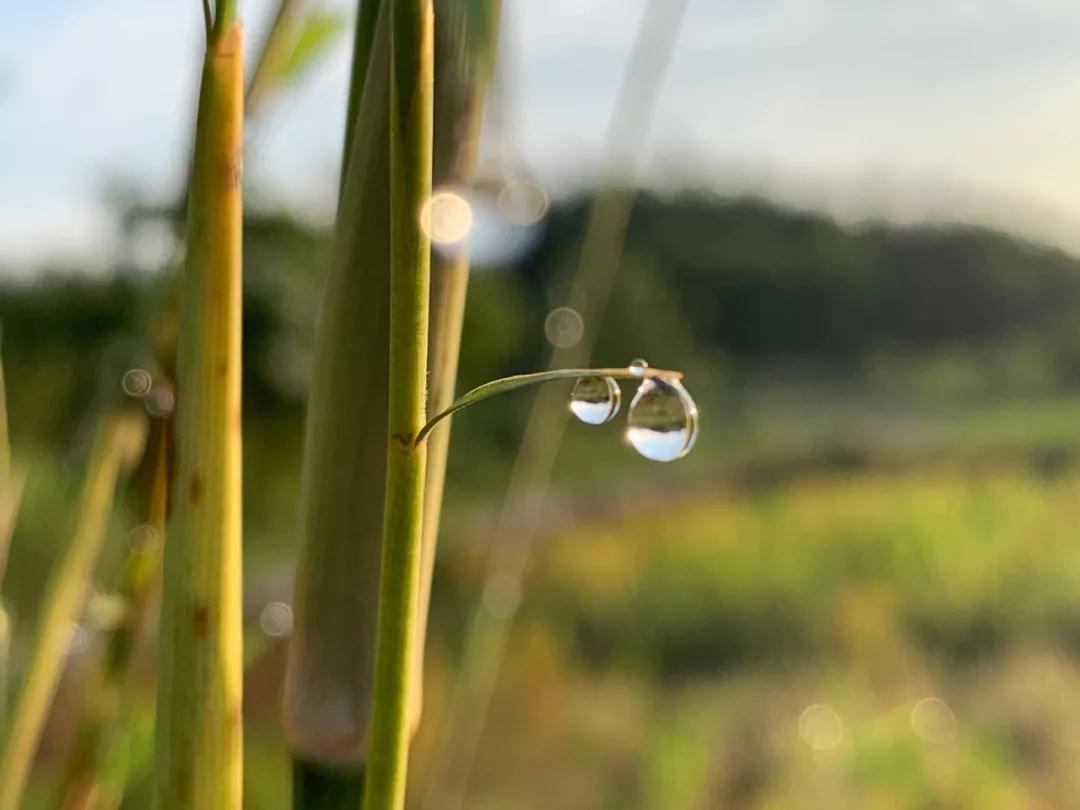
x: 855, y: 234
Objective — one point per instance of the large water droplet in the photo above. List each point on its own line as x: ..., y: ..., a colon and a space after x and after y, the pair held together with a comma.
x: 595, y: 400
x: 663, y: 421
x: 637, y: 366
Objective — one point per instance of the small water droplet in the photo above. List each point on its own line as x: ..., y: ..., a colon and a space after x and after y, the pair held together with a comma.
x: 563, y: 327
x: 637, y: 366
x: 276, y: 620
x: 136, y: 382
x: 663, y: 421
x: 595, y: 400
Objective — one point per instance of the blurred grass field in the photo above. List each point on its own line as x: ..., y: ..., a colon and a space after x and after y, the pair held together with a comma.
x: 868, y: 640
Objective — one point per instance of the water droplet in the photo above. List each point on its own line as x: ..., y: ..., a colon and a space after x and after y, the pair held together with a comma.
x: 595, y: 400
x: 523, y: 202
x: 663, y: 421
x: 136, y: 382
x: 637, y: 366
x: 563, y: 327
x: 446, y: 218
x: 276, y: 620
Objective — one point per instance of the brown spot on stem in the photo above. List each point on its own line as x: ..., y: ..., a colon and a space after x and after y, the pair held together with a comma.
x: 235, y: 170
x: 201, y: 621
x: 402, y: 439
x: 195, y: 488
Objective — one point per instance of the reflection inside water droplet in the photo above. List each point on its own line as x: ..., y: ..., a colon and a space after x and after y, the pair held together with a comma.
x: 663, y: 421
x: 637, y: 366
x: 595, y: 400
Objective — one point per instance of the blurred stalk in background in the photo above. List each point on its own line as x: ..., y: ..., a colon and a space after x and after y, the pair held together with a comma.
x: 331, y: 655
x: 98, y: 768
x: 326, y: 707
x: 465, y: 40
x: 12, y: 479
x: 601, y: 253
x: 199, y: 729
x: 116, y: 445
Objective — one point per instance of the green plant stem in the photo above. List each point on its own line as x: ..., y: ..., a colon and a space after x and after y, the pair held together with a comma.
x: 198, y: 734
x: 268, y: 64
x: 505, y: 384
x: 114, y: 446
x: 411, y: 98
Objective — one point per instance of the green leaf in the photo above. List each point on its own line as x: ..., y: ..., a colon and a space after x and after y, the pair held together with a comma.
x: 316, y: 34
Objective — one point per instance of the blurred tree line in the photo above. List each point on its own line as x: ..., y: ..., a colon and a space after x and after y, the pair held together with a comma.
x: 737, y: 291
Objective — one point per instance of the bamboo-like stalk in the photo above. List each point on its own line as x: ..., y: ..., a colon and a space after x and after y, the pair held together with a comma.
x: 199, y: 733
x: 411, y: 107
x: 115, y: 447
x: 326, y: 706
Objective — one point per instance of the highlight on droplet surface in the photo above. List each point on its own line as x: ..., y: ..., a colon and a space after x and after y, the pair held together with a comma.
x: 136, y: 382
x: 276, y: 619
x: 446, y: 217
x: 662, y: 424
x: 820, y: 727
x: 595, y: 400
x: 638, y: 366
x: 523, y: 202
x: 563, y: 327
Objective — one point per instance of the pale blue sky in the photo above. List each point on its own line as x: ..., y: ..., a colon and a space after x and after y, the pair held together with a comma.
x: 911, y: 109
